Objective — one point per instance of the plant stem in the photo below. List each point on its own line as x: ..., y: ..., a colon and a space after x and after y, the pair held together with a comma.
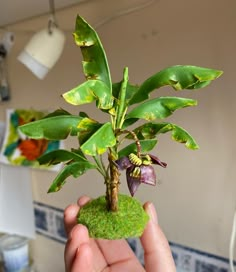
x: 133, y: 134
x: 113, y: 186
x: 100, y: 166
x: 121, y: 108
x: 137, y: 142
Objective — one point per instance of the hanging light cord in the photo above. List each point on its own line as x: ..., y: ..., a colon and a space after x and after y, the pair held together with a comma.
x: 52, y: 22
x: 125, y: 12
x: 232, y: 244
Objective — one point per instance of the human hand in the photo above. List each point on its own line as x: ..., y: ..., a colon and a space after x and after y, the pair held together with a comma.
x: 96, y: 255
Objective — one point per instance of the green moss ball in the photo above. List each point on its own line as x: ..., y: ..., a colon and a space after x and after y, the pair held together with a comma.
x: 129, y: 221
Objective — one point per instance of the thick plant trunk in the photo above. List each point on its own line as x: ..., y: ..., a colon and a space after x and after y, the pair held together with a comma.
x: 113, y: 187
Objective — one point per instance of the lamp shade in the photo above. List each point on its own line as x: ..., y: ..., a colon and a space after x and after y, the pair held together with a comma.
x: 43, y: 51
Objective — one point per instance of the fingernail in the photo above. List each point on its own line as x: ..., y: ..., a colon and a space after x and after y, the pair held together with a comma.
x: 152, y: 212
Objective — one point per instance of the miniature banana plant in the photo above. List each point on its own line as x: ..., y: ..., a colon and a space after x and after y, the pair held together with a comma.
x: 99, y: 143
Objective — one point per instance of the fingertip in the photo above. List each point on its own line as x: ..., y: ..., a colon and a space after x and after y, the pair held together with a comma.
x: 71, y: 210
x: 83, y: 200
x: 70, y: 215
x: 81, y: 231
x: 151, y: 211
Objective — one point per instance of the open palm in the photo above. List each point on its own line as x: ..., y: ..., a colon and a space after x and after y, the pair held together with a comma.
x: 98, y: 255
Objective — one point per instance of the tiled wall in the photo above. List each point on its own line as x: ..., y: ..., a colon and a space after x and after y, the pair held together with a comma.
x: 188, y: 259
x: 49, y: 222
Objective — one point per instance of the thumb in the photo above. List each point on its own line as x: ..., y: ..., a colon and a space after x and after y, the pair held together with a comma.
x: 157, y: 253
x: 78, y: 253
x: 83, y: 260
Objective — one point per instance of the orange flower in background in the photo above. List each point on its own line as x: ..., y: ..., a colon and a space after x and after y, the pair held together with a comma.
x: 32, y: 149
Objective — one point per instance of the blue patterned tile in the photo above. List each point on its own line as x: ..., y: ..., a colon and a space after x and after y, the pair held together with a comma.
x: 206, y: 267
x: 186, y: 262
x: 60, y: 225
x: 40, y: 219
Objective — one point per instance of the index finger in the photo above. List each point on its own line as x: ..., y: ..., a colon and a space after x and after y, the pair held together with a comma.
x: 157, y: 253
x: 70, y: 213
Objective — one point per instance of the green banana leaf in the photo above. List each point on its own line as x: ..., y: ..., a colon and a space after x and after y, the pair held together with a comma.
x: 151, y: 130
x: 160, y: 108
x: 179, y: 77
x: 58, y: 156
x: 86, y: 128
x: 146, y: 146
x: 95, y: 68
x: 57, y: 112
x: 52, y: 128
x: 130, y: 90
x: 89, y: 91
x: 74, y: 169
x: 78, y: 152
x: 99, y: 141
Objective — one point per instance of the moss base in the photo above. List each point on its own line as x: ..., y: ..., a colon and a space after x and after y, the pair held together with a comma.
x: 129, y: 221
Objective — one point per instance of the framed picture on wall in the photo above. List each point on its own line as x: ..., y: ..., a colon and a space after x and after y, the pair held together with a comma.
x: 19, y: 150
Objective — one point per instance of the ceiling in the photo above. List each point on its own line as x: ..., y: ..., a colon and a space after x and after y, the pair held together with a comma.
x: 12, y: 11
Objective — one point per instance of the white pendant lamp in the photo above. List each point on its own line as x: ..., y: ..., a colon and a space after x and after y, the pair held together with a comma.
x: 44, y: 48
